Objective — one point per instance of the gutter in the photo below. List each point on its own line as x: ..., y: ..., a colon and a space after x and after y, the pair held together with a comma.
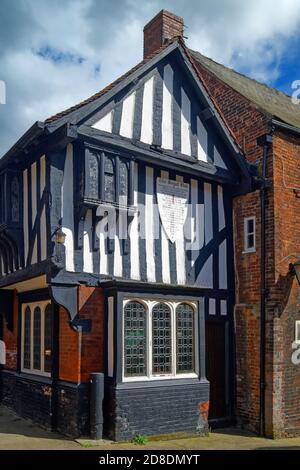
x: 286, y: 127
x: 264, y: 141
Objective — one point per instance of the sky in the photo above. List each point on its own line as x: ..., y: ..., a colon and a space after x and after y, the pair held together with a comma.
x: 55, y: 53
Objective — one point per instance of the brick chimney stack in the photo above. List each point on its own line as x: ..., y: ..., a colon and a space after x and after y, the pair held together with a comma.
x: 163, y: 26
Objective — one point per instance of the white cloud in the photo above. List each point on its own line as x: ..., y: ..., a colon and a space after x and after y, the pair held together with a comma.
x: 250, y: 36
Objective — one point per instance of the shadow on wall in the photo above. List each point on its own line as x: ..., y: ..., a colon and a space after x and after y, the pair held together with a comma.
x: 284, y: 285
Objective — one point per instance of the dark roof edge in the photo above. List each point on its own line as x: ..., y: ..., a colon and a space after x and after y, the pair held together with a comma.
x: 286, y: 127
x: 35, y: 131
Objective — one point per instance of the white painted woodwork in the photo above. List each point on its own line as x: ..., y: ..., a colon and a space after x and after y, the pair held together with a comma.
x: 68, y: 209
x: 126, y: 128
x: 149, y: 225
x: 208, y: 213
x: 147, y: 112
x: 165, y: 254
x: 105, y: 123
x: 185, y: 123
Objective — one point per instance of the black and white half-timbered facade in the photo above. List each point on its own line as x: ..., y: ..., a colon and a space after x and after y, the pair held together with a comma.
x: 129, y: 194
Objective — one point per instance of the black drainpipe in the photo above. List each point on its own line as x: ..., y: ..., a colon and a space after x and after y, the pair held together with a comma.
x: 263, y: 141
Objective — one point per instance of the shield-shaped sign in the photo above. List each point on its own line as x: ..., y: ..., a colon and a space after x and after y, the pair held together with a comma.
x: 172, y: 198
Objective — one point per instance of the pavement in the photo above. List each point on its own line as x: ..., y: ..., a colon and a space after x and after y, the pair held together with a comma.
x: 19, y: 434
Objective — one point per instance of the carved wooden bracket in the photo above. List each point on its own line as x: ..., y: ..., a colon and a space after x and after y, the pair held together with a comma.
x: 66, y: 296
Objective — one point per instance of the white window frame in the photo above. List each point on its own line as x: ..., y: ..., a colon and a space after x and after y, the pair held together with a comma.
x: 248, y: 249
x: 32, y: 306
x: 149, y: 305
x: 297, y: 340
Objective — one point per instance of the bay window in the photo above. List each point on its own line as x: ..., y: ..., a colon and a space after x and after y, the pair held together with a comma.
x: 37, y: 338
x: 159, y: 339
x: 107, y: 178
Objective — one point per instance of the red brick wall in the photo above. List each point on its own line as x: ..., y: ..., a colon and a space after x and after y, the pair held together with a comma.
x: 282, y: 247
x: 69, y: 349
x: 247, y: 313
x: 11, y: 338
x: 246, y: 123
x: 91, y: 306
x: 82, y: 353
x: 285, y: 293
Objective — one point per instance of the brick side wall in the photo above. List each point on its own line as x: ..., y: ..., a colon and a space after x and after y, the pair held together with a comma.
x: 285, y: 293
x: 91, y: 306
x: 82, y: 352
x: 282, y: 247
x: 247, y: 314
x: 69, y: 349
x: 246, y: 123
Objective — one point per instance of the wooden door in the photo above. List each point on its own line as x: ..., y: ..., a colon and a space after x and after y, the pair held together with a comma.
x: 215, y: 368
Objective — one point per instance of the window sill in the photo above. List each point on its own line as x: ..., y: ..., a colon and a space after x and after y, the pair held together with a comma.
x: 35, y: 377
x: 169, y: 382
x: 109, y: 205
x: 252, y: 250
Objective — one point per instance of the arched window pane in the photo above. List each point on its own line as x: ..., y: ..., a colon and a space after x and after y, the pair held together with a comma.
x: 37, y: 338
x: 109, y: 181
x: 27, y: 333
x: 109, y: 166
x: 161, y: 339
x: 93, y: 176
x: 123, y: 186
x: 48, y: 339
x: 184, y: 339
x: 135, y: 350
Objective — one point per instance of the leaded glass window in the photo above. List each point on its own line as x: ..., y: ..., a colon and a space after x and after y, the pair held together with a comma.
x: 109, y: 181
x: 184, y: 338
x: 27, y: 339
x: 48, y: 339
x: 123, y: 183
x: 37, y: 338
x: 161, y: 339
x: 135, y: 348
x: 93, y: 176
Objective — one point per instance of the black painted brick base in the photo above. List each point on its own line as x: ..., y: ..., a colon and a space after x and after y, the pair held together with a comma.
x: 154, y: 410
x: 28, y: 397
x: 73, y: 409
x: 32, y: 397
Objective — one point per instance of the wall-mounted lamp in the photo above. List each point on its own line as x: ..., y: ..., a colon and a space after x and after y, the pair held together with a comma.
x: 295, y: 270
x: 60, y: 236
